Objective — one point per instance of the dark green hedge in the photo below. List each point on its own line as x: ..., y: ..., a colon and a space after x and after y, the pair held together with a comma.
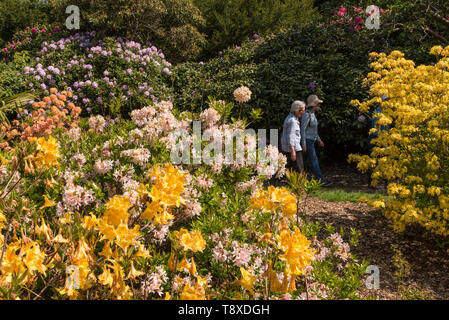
x: 321, y: 58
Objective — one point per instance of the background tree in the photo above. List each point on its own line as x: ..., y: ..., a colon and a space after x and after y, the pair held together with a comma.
x: 171, y: 25
x: 437, y: 23
x: 231, y: 22
x: 17, y: 14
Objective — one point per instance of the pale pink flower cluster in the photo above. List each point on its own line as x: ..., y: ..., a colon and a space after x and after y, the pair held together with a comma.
x: 80, y: 159
x: 138, y: 156
x: 129, y: 190
x: 209, y: 117
x: 323, y: 254
x: 252, y: 184
x: 274, y: 163
x: 97, y: 123
x: 3, y: 173
x: 241, y: 255
x: 103, y: 166
x: 159, y: 233
x: 242, y: 94
x: 75, y: 197
x: 142, y: 117
x: 74, y: 133
x: 176, y: 286
x: 219, y: 253
x: 221, y: 236
x: 156, y: 123
x: 123, y: 174
x: 342, y: 251
x: 106, y: 152
x: 154, y: 282
x: 338, y: 248
x: 204, y: 182
x: 192, y: 206
x: 232, y: 252
x: 316, y: 291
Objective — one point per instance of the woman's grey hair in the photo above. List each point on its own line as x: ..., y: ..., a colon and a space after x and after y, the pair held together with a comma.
x: 297, y: 105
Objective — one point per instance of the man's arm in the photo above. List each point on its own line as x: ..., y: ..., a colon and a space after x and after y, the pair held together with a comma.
x: 304, y: 123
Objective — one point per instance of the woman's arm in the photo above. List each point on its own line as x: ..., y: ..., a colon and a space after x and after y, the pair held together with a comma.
x: 290, y: 134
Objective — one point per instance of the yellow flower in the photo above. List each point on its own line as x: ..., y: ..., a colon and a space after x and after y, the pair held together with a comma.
x: 106, y: 277
x: 133, y: 273
x: 45, y: 230
x: 275, y: 199
x: 107, y: 252
x: 89, y: 221
x: 271, y: 275
x: 192, y: 268
x: 117, y: 210
x: 158, y: 213
x: 197, y: 292
x: 47, y: 203
x: 247, y: 280
x: 410, y: 153
x: 192, y: 240
x: 171, y: 262
x: 2, y: 219
x: 142, y: 252
x: 47, y: 154
x: 125, y: 236
x: 168, y: 185
x: 34, y: 258
x: 67, y: 218
x: 60, y: 239
x: 183, y: 264
x: 296, y: 251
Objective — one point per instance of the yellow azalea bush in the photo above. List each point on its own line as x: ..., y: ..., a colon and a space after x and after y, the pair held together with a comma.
x: 99, y: 212
x: 411, y: 157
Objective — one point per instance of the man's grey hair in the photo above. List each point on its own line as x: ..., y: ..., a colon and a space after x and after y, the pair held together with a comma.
x: 297, y: 105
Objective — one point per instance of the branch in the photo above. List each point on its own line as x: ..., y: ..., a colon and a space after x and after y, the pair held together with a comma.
x: 439, y: 18
x: 436, y: 35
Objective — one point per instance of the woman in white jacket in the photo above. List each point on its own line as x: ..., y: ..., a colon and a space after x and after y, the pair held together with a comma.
x: 291, y: 137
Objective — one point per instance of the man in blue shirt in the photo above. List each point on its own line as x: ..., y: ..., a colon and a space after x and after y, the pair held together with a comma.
x: 309, y: 136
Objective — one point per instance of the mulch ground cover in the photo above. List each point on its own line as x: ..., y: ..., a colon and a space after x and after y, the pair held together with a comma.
x: 427, y: 257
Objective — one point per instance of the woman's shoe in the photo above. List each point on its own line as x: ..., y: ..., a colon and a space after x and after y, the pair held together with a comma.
x: 328, y: 183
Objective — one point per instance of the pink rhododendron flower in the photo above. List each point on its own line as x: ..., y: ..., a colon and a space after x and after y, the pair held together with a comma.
x: 358, y: 20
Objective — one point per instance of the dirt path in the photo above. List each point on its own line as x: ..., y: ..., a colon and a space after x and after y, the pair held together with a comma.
x: 429, y: 263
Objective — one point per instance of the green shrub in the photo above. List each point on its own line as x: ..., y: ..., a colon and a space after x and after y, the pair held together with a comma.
x: 106, y: 75
x: 231, y: 22
x: 171, y: 25
x: 324, y: 57
x: 17, y: 14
